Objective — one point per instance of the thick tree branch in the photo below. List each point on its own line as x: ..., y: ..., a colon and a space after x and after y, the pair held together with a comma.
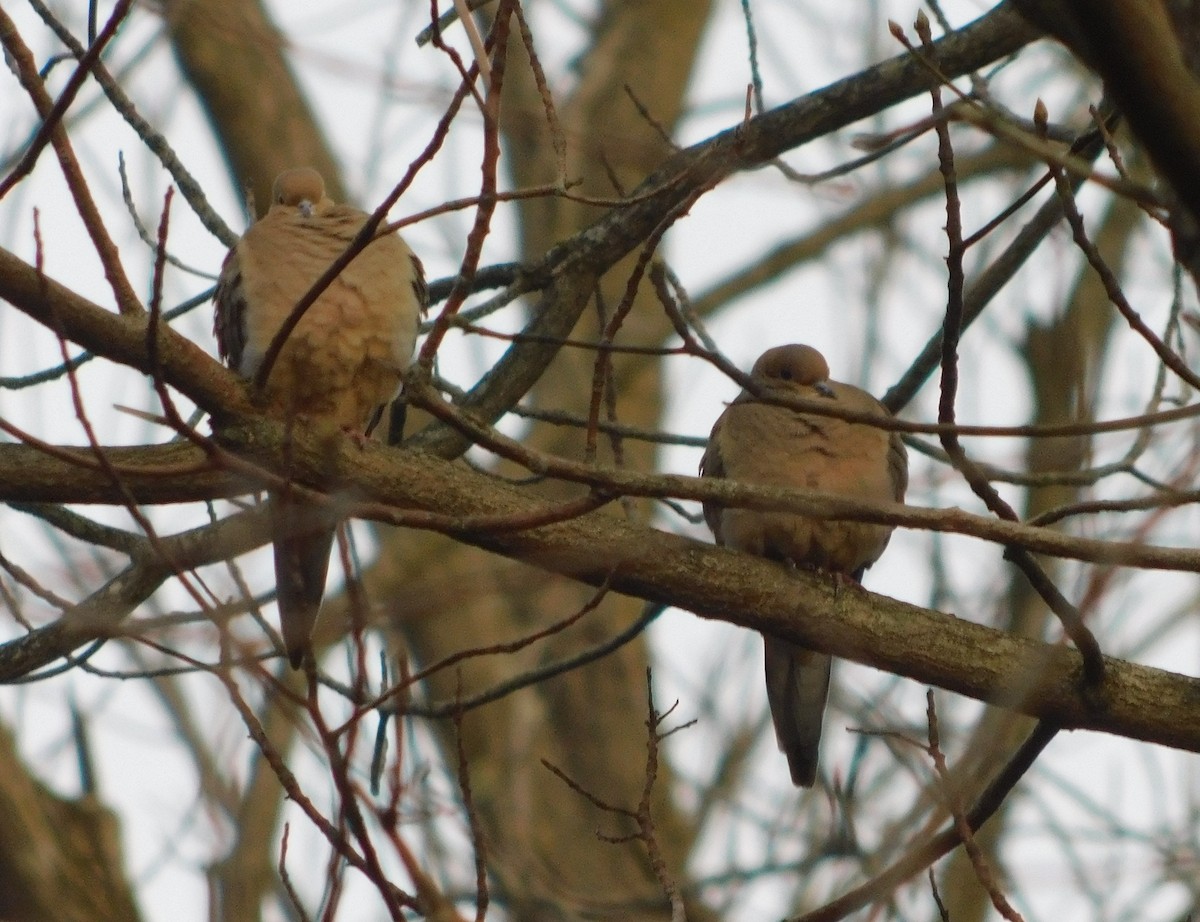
x: 384, y: 481
x: 1042, y: 680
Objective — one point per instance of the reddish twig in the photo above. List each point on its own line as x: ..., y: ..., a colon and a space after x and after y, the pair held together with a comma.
x: 490, y: 107
x: 286, y: 879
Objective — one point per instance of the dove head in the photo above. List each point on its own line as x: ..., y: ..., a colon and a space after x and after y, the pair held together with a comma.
x: 793, y: 366
x: 301, y: 188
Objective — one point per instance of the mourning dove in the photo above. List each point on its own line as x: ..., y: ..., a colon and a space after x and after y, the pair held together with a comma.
x: 344, y: 360
x: 762, y: 443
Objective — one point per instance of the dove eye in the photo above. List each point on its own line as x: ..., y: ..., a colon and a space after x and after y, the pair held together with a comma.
x: 786, y: 374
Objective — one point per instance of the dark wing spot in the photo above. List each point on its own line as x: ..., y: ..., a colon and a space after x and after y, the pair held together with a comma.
x: 229, y: 316
x: 420, y: 288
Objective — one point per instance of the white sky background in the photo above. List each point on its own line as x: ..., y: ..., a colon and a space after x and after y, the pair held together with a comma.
x: 379, y: 95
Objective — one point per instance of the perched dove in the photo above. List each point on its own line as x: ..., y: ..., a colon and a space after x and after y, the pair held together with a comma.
x: 758, y: 442
x: 342, y: 362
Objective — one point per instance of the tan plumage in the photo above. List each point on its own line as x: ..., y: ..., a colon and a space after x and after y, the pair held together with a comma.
x: 763, y: 443
x: 344, y: 360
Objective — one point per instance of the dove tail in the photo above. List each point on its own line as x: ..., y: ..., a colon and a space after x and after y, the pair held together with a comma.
x: 303, y: 542
x: 797, y: 686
